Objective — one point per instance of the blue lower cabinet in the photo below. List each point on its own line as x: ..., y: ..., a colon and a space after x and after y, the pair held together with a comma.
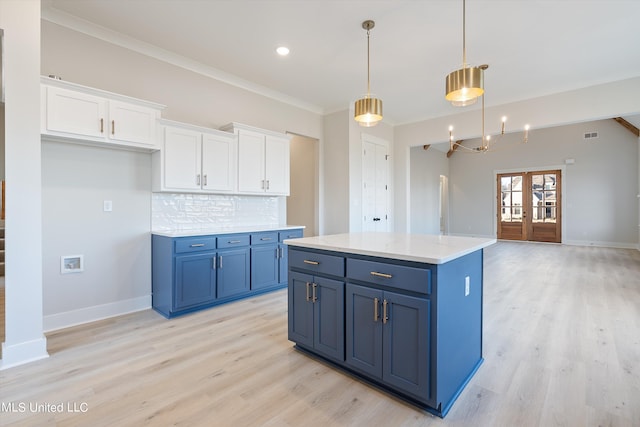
x: 195, y: 280
x: 316, y: 314
x: 413, y: 329
x: 196, y: 272
x: 388, y: 338
x: 264, y: 266
x: 233, y: 272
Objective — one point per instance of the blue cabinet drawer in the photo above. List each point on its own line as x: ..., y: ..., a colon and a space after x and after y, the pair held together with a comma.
x: 290, y: 234
x: 194, y: 244
x: 393, y: 275
x: 233, y: 240
x: 317, y: 263
x: 264, y: 238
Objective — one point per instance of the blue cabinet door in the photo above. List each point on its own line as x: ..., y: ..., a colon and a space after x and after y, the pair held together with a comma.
x: 195, y: 280
x: 406, y: 344
x: 233, y: 272
x: 300, y: 309
x: 364, y: 329
x: 264, y: 266
x: 328, y: 316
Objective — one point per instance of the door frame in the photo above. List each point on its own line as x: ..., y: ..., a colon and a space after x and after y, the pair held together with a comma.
x: 563, y: 180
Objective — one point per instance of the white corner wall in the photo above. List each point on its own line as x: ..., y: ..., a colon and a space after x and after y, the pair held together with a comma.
x: 24, y: 339
x: 426, y: 168
x: 116, y: 245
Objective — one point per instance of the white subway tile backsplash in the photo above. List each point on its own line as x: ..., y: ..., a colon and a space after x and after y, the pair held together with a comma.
x: 171, y: 211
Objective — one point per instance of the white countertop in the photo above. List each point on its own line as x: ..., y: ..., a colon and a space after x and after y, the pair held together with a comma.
x: 210, y: 230
x: 431, y: 249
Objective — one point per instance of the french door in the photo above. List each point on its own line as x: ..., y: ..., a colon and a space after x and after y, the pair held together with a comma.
x: 529, y: 206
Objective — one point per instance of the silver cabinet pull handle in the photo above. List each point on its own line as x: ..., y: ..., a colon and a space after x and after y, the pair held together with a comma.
x: 266, y: 238
x: 213, y: 263
x: 267, y: 184
x: 386, y: 276
x: 308, y: 291
x: 375, y: 309
x: 385, y: 317
x: 197, y: 245
x: 220, y: 261
x: 233, y: 242
x: 205, y: 180
x: 314, y: 297
x: 101, y: 125
x: 198, y: 179
x: 113, y: 127
x: 306, y: 261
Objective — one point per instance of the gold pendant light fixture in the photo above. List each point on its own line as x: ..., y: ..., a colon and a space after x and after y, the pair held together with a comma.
x: 486, y: 144
x: 368, y: 110
x: 464, y: 86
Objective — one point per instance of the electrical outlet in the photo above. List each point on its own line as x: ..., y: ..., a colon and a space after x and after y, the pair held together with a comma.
x: 466, y: 286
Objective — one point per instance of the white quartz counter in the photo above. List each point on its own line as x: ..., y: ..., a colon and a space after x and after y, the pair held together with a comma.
x: 431, y: 249
x: 205, y: 231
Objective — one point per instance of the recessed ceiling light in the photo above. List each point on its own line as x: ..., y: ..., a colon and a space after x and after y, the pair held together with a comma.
x: 283, y: 51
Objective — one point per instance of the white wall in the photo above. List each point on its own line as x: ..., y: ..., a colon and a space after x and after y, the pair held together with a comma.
x: 335, y: 164
x: 426, y: 168
x: 24, y: 340
x: 599, y: 206
x: 594, y: 103
x: 116, y: 245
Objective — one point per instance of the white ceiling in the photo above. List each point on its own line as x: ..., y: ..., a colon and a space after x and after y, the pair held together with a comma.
x: 533, y: 47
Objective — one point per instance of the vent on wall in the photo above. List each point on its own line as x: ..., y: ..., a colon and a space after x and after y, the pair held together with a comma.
x: 590, y: 135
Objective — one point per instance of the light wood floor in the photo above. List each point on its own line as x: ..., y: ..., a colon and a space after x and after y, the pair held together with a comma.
x: 561, y: 343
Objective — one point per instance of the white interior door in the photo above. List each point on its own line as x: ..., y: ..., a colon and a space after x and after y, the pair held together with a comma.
x: 375, y: 185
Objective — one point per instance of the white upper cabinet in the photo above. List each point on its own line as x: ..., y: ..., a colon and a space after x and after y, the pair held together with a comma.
x: 263, y: 160
x: 82, y: 114
x: 194, y: 159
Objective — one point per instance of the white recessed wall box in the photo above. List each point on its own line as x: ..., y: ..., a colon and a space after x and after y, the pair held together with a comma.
x: 71, y: 264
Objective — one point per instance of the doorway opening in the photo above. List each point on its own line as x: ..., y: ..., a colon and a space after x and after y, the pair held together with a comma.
x: 302, y: 203
x: 530, y: 206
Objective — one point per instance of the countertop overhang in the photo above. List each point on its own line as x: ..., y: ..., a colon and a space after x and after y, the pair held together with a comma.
x: 425, y: 248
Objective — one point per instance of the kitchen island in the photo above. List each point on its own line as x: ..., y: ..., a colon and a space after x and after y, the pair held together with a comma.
x: 401, y: 311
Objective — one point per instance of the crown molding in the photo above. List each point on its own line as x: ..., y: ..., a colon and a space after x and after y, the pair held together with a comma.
x: 105, y: 34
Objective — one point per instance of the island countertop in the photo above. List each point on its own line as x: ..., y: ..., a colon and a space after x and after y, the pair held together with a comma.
x: 426, y: 248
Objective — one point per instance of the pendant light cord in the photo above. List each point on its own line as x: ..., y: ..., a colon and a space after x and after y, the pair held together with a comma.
x: 368, y: 80
x: 464, y: 36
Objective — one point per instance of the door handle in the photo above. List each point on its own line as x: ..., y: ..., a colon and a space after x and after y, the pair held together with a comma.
x: 376, y: 219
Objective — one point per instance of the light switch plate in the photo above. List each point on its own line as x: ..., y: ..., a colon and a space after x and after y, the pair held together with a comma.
x: 108, y: 205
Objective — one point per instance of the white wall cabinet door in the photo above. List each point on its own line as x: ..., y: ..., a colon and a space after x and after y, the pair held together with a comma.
x: 182, y: 159
x: 219, y: 163
x: 75, y: 113
x: 277, y: 165
x: 251, y: 162
x: 132, y: 123
x: 82, y: 114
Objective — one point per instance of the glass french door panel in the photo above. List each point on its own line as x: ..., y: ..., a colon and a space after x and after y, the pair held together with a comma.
x: 550, y: 181
x: 505, y: 183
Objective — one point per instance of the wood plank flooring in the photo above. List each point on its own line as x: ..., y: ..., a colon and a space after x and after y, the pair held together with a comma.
x: 561, y: 348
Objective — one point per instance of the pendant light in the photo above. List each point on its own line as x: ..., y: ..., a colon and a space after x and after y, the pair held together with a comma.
x: 464, y: 86
x: 368, y: 110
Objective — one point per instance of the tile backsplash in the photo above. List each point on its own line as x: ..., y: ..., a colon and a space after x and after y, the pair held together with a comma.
x: 171, y: 211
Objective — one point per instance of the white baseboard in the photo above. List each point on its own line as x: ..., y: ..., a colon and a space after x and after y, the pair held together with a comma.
x: 616, y: 245
x: 24, y: 352
x: 66, y: 319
